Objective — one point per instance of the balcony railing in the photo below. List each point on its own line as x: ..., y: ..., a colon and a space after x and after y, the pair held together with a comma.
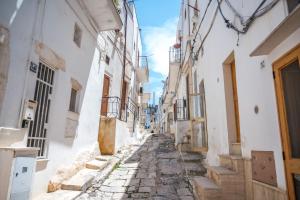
x: 143, y: 62
x: 111, y: 107
x: 174, y: 55
x: 142, y: 70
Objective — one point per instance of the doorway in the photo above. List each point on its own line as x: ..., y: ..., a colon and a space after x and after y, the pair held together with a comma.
x: 232, y: 105
x: 105, y: 95
x: 199, y: 122
x: 187, y: 80
x: 124, y: 93
x: 38, y: 129
x: 287, y: 84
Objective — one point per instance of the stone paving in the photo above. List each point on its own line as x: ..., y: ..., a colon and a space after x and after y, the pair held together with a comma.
x: 153, y: 170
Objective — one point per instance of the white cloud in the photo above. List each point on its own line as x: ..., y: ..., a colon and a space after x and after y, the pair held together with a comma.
x: 158, y: 41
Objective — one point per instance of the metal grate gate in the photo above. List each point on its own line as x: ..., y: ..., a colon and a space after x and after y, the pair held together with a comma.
x: 37, y: 136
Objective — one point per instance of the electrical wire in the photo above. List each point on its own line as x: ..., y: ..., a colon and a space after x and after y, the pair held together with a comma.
x: 209, y: 29
x: 259, y: 11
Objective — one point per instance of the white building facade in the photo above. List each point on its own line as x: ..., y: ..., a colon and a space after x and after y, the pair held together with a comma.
x: 54, y: 59
x: 237, y: 79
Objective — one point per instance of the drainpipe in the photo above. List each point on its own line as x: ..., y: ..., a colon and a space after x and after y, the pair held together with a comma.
x: 27, y: 65
x: 189, y: 17
x: 124, y: 55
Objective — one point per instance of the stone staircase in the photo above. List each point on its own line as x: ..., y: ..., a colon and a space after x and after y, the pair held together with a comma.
x: 70, y: 189
x: 224, y: 182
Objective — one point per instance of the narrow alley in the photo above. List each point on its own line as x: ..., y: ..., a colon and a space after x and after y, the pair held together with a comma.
x: 154, y: 170
x: 150, y: 99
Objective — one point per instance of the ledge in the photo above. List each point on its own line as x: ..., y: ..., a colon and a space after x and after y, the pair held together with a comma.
x: 41, y: 164
x: 289, y: 25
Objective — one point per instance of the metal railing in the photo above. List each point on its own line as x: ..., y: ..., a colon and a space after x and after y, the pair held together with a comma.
x: 174, y: 55
x: 143, y: 62
x: 132, y: 108
x: 111, y: 107
x: 181, y: 110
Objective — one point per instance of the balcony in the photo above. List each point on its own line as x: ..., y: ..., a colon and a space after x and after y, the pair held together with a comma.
x: 175, y: 54
x: 174, y: 65
x: 103, y: 14
x: 142, y: 71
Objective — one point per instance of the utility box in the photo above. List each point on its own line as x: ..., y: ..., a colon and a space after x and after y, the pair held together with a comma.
x: 17, y: 167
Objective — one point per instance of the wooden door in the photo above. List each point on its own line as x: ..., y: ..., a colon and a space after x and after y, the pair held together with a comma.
x: 123, y: 98
x: 187, y: 97
x: 105, y: 95
x: 236, y: 102
x: 287, y: 82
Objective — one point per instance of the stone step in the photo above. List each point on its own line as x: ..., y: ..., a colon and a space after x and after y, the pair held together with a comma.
x: 194, y: 169
x: 96, y: 164
x: 59, y: 195
x: 218, y: 173
x: 104, y: 158
x: 231, y: 182
x: 191, y: 157
x: 206, y: 189
x: 232, y: 162
x: 80, y: 181
x: 236, y: 149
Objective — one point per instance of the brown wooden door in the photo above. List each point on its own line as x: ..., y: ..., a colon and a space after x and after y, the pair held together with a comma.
x: 287, y: 81
x: 187, y: 97
x: 124, y: 91
x: 236, y: 102
x: 105, y: 95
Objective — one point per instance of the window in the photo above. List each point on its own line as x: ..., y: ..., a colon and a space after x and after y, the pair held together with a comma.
x: 194, y: 27
x: 77, y: 35
x: 292, y: 4
x: 74, y: 97
x: 107, y: 59
x: 72, y: 106
x: 184, y: 13
x: 141, y: 90
x: 196, y: 11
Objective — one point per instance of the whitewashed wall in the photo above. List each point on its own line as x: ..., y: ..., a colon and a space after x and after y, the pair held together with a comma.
x: 255, y: 85
x: 55, y: 28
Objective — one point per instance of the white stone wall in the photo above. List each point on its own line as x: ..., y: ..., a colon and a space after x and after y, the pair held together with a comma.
x: 55, y: 28
x: 255, y: 84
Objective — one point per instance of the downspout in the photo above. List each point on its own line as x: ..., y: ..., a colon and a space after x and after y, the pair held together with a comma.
x: 189, y: 67
x: 27, y: 66
x: 124, y: 56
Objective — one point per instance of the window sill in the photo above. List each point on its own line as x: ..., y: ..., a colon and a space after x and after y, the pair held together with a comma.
x: 41, y: 164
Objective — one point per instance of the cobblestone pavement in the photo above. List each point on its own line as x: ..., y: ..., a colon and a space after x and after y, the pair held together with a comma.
x: 153, y: 171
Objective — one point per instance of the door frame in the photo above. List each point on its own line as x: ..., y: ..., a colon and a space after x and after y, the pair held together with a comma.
x: 231, y: 105
x: 290, y: 164
x: 235, y: 101
x: 200, y: 119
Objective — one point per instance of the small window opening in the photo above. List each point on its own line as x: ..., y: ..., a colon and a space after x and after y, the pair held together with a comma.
x: 107, y: 59
x: 73, y: 99
x: 196, y: 10
x: 77, y: 35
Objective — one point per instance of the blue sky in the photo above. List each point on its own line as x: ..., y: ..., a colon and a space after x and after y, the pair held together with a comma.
x: 158, y: 21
